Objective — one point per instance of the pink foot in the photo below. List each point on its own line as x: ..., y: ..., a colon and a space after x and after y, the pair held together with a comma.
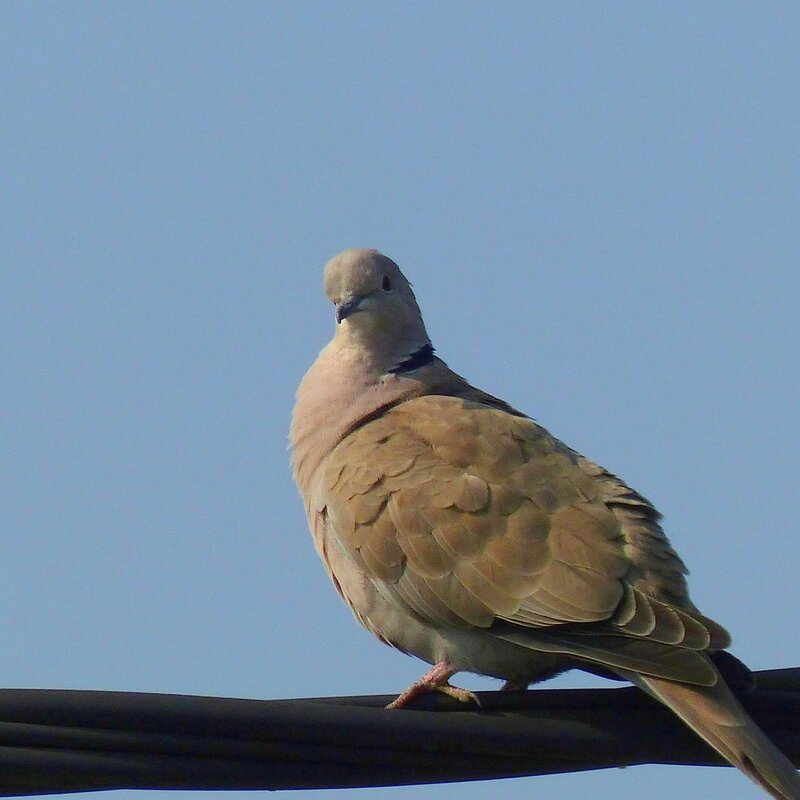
x: 435, y: 680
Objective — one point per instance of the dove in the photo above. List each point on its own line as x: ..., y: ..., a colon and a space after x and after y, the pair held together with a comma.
x: 460, y: 531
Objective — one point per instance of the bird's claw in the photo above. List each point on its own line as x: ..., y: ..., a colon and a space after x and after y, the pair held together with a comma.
x: 418, y: 689
x: 462, y: 695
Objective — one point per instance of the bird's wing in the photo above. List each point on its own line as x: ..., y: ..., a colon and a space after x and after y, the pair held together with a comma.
x: 472, y: 516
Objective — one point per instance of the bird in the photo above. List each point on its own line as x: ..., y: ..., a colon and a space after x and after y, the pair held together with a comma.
x: 460, y: 531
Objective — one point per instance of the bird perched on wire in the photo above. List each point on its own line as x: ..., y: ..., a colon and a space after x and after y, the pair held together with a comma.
x: 460, y: 531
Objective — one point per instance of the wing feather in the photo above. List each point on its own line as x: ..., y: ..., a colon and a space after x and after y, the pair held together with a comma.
x: 474, y: 516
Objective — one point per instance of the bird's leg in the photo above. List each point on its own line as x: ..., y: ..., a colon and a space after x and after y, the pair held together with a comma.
x: 435, y: 680
x: 515, y: 686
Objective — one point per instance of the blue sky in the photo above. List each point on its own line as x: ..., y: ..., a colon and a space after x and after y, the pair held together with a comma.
x: 597, y: 204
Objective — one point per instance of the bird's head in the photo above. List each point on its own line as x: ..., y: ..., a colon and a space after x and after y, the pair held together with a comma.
x: 375, y: 306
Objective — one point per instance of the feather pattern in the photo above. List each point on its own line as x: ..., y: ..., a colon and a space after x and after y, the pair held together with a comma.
x: 461, y: 531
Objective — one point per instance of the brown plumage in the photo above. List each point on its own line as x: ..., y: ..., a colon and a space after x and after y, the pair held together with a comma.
x: 459, y: 530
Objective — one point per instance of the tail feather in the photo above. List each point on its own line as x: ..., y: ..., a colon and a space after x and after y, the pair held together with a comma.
x: 718, y: 717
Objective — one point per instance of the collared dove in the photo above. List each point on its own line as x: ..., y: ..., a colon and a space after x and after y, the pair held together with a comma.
x: 460, y: 531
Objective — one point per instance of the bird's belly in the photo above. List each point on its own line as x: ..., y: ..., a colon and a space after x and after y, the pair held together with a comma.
x: 470, y: 649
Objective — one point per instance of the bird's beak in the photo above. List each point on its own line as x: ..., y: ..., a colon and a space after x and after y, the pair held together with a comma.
x: 347, y: 307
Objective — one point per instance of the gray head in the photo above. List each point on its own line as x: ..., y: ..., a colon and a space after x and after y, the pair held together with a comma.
x: 375, y: 306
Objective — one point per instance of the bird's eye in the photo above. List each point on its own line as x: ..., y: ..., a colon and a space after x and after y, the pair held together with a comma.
x: 387, y: 284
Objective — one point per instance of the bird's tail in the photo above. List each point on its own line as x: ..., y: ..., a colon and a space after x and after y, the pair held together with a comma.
x: 718, y: 717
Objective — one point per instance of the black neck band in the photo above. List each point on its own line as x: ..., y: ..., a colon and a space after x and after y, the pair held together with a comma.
x: 419, y: 358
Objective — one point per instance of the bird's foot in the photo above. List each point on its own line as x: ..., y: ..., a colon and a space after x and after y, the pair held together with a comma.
x: 515, y: 686
x: 435, y: 680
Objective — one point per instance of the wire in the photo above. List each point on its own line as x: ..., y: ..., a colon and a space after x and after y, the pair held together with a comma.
x: 54, y: 741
